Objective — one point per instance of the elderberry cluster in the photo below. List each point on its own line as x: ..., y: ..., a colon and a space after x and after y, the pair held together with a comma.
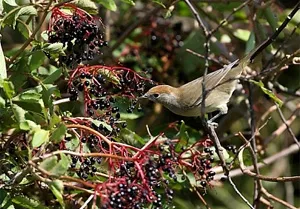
x: 151, y: 186
x: 100, y: 88
x: 86, y: 167
x: 80, y: 35
x: 204, y: 166
x: 232, y: 148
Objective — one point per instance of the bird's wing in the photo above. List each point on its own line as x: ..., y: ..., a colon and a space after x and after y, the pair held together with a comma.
x: 211, y: 80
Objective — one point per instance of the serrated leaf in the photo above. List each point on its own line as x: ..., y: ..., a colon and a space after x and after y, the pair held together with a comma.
x: 26, y: 202
x: 49, y: 163
x: 3, y: 73
x: 27, y: 10
x: 40, y: 136
x: 57, y: 189
x: 87, y: 5
x: 28, y: 97
x: 59, y: 133
x: 108, y: 4
x: 268, y: 92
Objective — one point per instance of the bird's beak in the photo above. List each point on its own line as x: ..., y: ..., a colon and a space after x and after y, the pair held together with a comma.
x: 145, y: 96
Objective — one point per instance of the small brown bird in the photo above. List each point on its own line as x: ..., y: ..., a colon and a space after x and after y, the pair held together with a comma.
x: 186, y: 100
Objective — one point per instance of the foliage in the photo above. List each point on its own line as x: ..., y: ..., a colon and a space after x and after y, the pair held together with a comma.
x: 73, y: 130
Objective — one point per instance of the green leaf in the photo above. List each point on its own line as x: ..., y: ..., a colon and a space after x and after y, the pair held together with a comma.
x: 57, y: 188
x: 271, y: 18
x: 19, y: 113
x: 53, y: 77
x: 130, y: 116
x: 23, y: 29
x: 8, y: 88
x: 242, y: 34
x: 108, y: 4
x: 250, y: 43
x: 27, y: 10
x: 131, y: 137
x: 98, y: 122
x: 36, y: 59
x: 28, y: 97
x: 159, y: 2
x: 268, y: 92
x: 11, y: 2
x: 40, y: 136
x: 131, y: 2
x: 183, y: 137
x: 59, y: 133
x: 2, y: 102
x: 3, y: 73
x: 49, y: 163
x: 26, y: 202
x: 62, y: 166
x: 56, y: 168
x: 87, y: 5
x: 54, y: 49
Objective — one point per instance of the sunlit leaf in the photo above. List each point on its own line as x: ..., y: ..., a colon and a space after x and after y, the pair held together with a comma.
x: 40, y: 137
x: 57, y: 189
x: 3, y: 73
x: 26, y: 202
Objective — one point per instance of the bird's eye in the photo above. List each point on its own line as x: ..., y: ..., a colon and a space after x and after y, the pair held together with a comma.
x: 155, y: 95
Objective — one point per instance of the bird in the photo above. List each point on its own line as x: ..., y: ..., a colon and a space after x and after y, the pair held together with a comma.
x: 186, y: 100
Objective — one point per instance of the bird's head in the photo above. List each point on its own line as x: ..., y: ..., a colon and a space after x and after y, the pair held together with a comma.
x: 163, y: 94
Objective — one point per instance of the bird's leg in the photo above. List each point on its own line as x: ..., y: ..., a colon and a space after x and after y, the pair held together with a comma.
x: 210, y: 121
x: 222, y: 111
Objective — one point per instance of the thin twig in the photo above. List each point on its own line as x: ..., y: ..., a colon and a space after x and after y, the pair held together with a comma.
x: 287, y: 126
x: 276, y: 199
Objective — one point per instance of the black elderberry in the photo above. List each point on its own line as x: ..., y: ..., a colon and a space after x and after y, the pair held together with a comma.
x: 124, y: 125
x: 94, y: 169
x: 129, y: 110
x: 203, y: 183
x: 83, y: 140
x: 211, y: 173
x: 115, y: 109
x: 95, y: 105
x: 86, y: 83
x: 80, y: 87
x: 118, y: 115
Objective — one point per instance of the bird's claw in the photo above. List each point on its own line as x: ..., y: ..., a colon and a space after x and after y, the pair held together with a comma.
x: 212, y: 124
